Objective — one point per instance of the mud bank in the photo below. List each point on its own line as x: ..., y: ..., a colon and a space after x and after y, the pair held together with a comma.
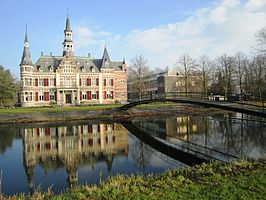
x: 115, y: 114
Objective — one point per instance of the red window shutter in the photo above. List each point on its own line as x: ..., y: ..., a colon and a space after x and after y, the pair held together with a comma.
x: 54, y: 81
x: 36, y: 82
x: 97, y: 94
x: 80, y: 93
x: 46, y: 96
x: 104, y: 82
x: 112, y: 82
x: 55, y: 96
x: 80, y: 81
x: 46, y: 82
x: 36, y: 96
x: 88, y: 82
x: 104, y: 95
x: 88, y: 95
x: 97, y: 81
x: 112, y: 94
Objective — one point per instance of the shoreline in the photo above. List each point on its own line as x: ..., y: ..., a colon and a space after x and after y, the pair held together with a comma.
x: 241, y: 179
x: 108, y: 114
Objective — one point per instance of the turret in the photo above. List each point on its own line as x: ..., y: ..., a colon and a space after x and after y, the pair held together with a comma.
x: 105, y: 59
x: 26, y: 59
x: 68, y: 45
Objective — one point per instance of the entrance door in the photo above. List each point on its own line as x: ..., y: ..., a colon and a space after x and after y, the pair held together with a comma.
x: 68, y: 98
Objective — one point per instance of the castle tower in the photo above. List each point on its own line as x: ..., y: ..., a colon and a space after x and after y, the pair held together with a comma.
x: 26, y: 69
x: 68, y: 45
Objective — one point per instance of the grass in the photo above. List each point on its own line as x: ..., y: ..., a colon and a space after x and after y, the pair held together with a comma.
x: 244, y: 179
x: 157, y: 105
x: 57, y: 109
x: 18, y: 110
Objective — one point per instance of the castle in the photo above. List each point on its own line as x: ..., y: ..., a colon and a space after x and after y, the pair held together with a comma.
x: 71, y: 80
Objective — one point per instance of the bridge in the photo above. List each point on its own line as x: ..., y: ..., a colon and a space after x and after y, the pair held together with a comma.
x: 199, y: 100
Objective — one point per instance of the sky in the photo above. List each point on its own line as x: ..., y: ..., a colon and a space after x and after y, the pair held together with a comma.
x: 160, y: 30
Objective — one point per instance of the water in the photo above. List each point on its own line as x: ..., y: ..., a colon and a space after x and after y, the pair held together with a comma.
x: 66, y: 154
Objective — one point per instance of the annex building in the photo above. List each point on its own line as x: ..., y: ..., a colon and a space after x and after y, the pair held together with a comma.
x: 71, y: 80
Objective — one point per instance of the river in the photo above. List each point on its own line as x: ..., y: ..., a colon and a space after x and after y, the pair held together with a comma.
x: 62, y: 155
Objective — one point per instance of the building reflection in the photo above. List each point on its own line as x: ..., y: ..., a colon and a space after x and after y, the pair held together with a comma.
x: 181, y: 127
x: 222, y: 136
x: 71, y: 146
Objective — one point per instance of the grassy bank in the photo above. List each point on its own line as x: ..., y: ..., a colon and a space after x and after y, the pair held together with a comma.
x: 239, y: 180
x: 57, y: 109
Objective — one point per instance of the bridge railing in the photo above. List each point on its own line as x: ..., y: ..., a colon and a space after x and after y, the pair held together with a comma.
x: 200, y: 97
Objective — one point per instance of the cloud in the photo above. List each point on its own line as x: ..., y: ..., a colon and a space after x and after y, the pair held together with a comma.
x: 226, y: 27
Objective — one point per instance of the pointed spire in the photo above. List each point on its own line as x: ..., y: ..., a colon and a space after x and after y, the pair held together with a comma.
x: 105, y: 58
x: 26, y: 59
x: 26, y: 35
x: 68, y: 22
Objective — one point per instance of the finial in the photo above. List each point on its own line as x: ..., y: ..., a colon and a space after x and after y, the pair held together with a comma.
x: 67, y: 13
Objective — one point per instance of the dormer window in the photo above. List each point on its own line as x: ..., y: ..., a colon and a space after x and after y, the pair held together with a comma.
x: 92, y: 69
x: 51, y: 68
x: 40, y: 68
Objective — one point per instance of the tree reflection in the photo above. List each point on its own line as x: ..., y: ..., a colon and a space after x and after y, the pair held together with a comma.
x: 141, y: 154
x: 6, y: 138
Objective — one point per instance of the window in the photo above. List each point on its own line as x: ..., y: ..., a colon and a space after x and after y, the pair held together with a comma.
x: 108, y: 81
x: 41, y: 96
x: 67, y: 81
x: 84, y: 95
x: 93, y: 95
x: 93, y: 81
x: 51, y: 81
x: 67, y: 69
x: 52, y: 96
x: 41, y: 82
x: 84, y: 82
x: 108, y: 95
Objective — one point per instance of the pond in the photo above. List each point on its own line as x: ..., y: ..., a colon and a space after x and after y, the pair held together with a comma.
x: 62, y: 155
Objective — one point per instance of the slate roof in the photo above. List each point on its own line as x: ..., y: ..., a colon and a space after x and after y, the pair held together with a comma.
x: 26, y: 59
x: 51, y: 63
x: 68, y: 24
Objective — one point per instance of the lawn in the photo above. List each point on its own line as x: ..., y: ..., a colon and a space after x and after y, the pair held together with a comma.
x: 57, y: 109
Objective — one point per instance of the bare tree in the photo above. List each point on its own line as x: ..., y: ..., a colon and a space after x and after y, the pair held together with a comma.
x: 241, y: 65
x: 259, y: 68
x: 226, y: 66
x: 261, y: 40
x: 205, y: 67
x: 186, y: 65
x: 137, y: 72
